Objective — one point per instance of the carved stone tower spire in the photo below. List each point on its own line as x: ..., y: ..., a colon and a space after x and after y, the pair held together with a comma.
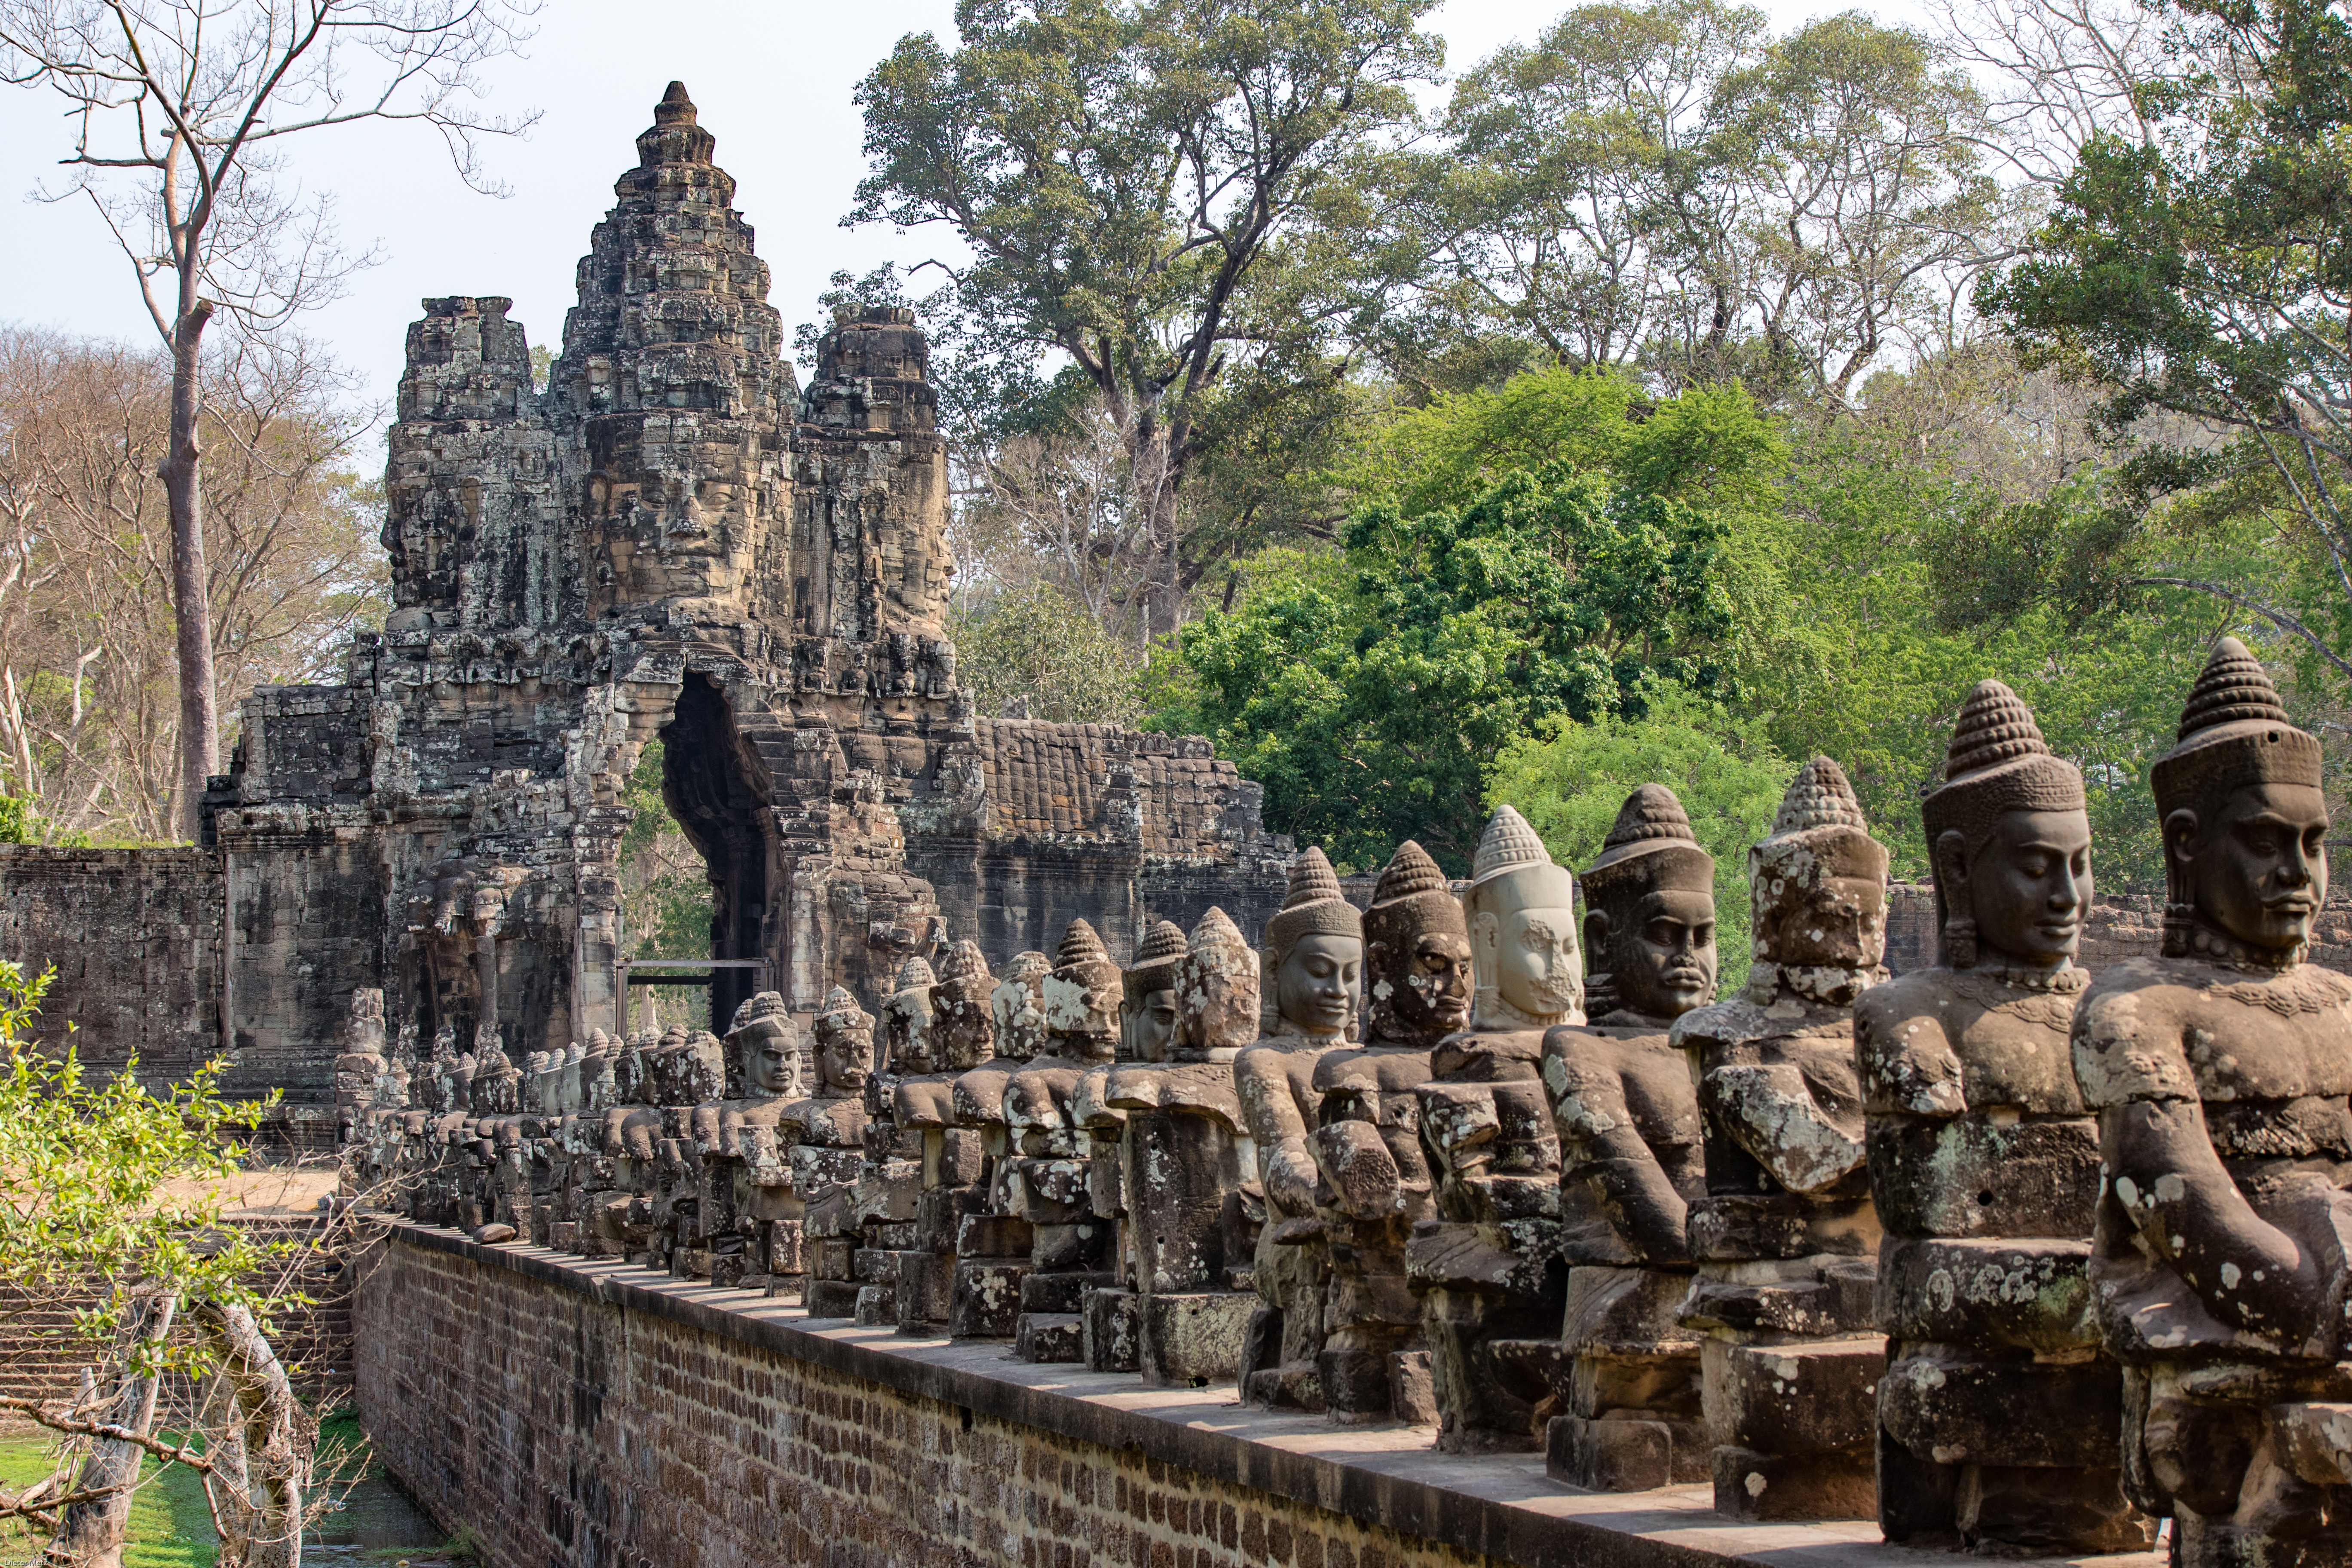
x: 672, y: 393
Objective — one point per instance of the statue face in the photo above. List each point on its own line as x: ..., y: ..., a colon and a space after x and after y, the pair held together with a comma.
x: 1537, y: 968
x: 1423, y: 993
x: 907, y: 1025
x: 844, y: 1059
x: 1152, y: 1033
x: 768, y: 1062
x: 1315, y: 988
x: 1082, y: 1002
x: 1223, y: 997
x: 2259, y: 870
x: 1663, y: 962
x: 2029, y: 883
x: 1822, y: 909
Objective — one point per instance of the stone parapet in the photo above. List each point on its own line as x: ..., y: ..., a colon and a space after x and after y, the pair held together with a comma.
x: 594, y: 1414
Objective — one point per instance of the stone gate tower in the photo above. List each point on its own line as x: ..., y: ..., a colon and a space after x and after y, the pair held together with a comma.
x: 673, y: 540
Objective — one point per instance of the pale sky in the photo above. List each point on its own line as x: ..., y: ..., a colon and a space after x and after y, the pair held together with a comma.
x: 773, y: 81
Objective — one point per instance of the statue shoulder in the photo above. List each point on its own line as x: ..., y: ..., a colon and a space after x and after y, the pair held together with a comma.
x: 2127, y: 1038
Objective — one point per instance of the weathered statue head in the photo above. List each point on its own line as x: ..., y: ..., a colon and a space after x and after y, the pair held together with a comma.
x: 1819, y: 884
x: 2010, y: 839
x: 767, y: 1047
x: 1216, y: 991
x: 1416, y: 953
x: 1314, y: 955
x: 844, y: 1044
x: 1649, y: 923
x: 701, y: 1070
x: 1520, y: 909
x: 2245, y: 823
x: 1018, y: 1005
x: 364, y: 1033
x: 1147, y: 1023
x: 906, y: 1020
x: 963, y: 1020
x: 1082, y: 997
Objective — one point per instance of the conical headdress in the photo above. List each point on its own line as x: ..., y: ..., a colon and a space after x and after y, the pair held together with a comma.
x: 759, y: 1009
x: 915, y: 974
x: 1649, y: 846
x: 1411, y: 896
x: 1155, y: 960
x: 1507, y: 844
x: 1998, y: 761
x: 2233, y: 732
x: 1080, y: 945
x: 1313, y: 907
x: 841, y: 1011
x: 1818, y: 797
x: 963, y: 961
x: 1509, y: 849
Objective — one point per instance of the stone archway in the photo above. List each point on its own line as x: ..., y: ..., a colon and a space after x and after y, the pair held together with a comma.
x: 712, y: 786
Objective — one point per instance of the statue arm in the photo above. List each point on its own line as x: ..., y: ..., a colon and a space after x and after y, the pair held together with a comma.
x: 2247, y: 1273
x: 1906, y: 1063
x: 1769, y: 1107
x: 1591, y: 1113
x: 1285, y: 1159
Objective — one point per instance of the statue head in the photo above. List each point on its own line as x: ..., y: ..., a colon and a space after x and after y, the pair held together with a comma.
x: 906, y: 1020
x: 1819, y: 884
x: 963, y: 1021
x: 2246, y: 822
x: 1520, y: 910
x: 1314, y: 955
x: 1649, y: 921
x: 1148, y: 1024
x: 1416, y: 953
x: 701, y: 1070
x: 2010, y: 839
x: 844, y: 1044
x: 1018, y: 1005
x: 1082, y: 997
x: 1216, y: 991
x: 767, y: 1047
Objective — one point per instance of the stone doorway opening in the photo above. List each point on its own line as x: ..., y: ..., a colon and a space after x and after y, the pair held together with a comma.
x: 709, y: 786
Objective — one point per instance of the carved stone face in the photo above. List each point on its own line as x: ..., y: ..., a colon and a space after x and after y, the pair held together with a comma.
x: 1821, y: 906
x: 1315, y: 985
x: 2026, y: 884
x: 1661, y: 959
x: 1217, y: 998
x: 1538, y: 965
x: 844, y: 1058
x: 907, y: 1029
x: 1152, y: 1028
x: 1018, y: 1005
x: 1082, y: 1007
x: 769, y: 1060
x: 2258, y: 871
x: 1419, y: 987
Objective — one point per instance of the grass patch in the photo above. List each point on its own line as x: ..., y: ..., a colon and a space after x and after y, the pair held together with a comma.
x: 170, y: 1525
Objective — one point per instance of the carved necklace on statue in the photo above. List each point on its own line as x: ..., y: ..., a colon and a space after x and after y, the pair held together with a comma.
x: 2043, y: 996
x: 2306, y: 989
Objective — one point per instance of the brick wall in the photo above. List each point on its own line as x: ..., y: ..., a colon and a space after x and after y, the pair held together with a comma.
x: 598, y: 1415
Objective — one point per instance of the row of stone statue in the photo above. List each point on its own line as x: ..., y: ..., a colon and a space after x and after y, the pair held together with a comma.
x: 2018, y: 1260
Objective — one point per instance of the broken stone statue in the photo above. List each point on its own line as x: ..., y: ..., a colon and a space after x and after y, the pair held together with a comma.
x: 1785, y: 1240
x: 992, y: 1245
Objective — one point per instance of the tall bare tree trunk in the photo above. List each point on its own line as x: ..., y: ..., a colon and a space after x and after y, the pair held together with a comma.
x: 262, y: 1458
x: 192, y: 607
x: 91, y: 1534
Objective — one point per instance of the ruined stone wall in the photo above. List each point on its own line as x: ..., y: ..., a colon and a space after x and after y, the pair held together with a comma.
x: 136, y: 937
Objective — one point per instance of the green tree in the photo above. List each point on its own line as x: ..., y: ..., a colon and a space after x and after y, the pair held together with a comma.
x: 111, y: 1203
x: 1664, y: 184
x: 1034, y: 651
x: 1570, y: 781
x: 2203, y: 270
x: 1162, y: 191
x: 1372, y: 706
